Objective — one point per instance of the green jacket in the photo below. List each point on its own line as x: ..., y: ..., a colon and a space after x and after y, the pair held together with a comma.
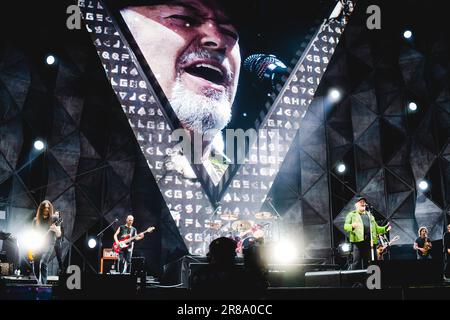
x: 357, y: 234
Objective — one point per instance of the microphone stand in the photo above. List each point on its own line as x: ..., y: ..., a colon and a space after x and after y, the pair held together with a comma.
x: 214, y: 213
x: 279, y: 217
x: 99, y: 236
x: 369, y: 214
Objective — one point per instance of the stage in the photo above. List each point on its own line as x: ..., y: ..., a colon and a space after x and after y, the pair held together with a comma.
x: 154, y: 291
x: 397, y: 280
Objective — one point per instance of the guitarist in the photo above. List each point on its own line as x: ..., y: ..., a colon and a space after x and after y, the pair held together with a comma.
x: 423, y: 244
x: 44, y: 222
x: 125, y: 254
x: 447, y: 252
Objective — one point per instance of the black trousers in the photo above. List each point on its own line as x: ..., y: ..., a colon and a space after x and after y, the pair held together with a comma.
x: 125, y: 260
x: 40, y: 265
x: 361, y: 255
x: 58, y: 253
x: 447, y: 266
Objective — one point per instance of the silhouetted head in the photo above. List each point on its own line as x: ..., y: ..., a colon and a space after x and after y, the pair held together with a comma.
x: 222, y: 251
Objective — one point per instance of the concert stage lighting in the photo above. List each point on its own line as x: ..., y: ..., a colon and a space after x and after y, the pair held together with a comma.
x: 39, y: 145
x: 334, y: 95
x: 344, y: 249
x: 285, y: 251
x: 50, y: 60
x: 31, y: 239
x: 423, y: 185
x: 407, y: 34
x: 341, y: 168
x: 92, y: 243
x: 412, y: 106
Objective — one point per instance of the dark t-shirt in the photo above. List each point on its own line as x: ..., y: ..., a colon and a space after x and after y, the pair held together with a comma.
x: 125, y: 231
x: 447, y: 242
x: 366, y: 222
x: 421, y: 243
x: 44, y: 226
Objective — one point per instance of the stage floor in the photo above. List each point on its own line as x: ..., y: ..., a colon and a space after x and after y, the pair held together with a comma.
x: 23, y: 289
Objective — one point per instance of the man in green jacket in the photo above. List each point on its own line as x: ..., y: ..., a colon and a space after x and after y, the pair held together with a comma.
x: 362, y: 228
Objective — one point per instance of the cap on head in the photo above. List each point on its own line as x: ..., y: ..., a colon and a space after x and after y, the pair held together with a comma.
x: 361, y: 198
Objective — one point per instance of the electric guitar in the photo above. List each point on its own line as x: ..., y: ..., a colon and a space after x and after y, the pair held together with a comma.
x: 125, y: 241
x: 30, y: 253
x: 384, y: 244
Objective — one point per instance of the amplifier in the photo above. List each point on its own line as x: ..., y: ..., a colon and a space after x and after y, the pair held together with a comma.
x: 336, y: 278
x: 108, y: 266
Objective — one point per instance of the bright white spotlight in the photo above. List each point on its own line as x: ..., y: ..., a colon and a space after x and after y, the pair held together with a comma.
x: 423, y: 185
x: 407, y: 34
x: 39, y: 145
x: 341, y: 168
x: 334, y: 95
x: 285, y: 251
x: 345, y: 247
x: 92, y: 243
x: 412, y: 106
x: 50, y: 59
x: 31, y: 239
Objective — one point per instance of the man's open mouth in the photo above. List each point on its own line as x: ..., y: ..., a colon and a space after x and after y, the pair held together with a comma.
x: 207, y: 71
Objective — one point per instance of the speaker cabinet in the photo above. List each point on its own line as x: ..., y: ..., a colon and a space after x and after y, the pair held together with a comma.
x: 336, y: 279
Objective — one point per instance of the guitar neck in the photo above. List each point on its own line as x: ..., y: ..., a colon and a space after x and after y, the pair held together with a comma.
x: 134, y: 237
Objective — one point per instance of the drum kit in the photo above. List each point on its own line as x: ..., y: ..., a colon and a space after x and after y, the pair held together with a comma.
x: 244, y: 232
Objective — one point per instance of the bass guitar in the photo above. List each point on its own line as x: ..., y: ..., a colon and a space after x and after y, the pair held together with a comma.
x: 125, y: 241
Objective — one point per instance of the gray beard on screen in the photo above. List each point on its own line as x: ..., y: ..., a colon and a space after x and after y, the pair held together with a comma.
x: 200, y: 113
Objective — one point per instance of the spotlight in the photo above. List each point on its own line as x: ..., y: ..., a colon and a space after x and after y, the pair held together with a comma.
x: 31, y: 239
x: 39, y: 145
x: 92, y: 243
x: 412, y: 106
x: 285, y: 252
x: 344, y: 249
x: 244, y: 114
x: 423, y: 185
x: 334, y: 95
x: 407, y: 34
x: 50, y: 60
x: 341, y: 168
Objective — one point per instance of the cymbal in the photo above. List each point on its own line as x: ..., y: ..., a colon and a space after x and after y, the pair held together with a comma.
x: 241, y: 225
x: 264, y: 215
x: 215, y: 226
x: 229, y: 216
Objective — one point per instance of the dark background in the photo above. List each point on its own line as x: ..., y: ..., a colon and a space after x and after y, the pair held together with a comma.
x: 93, y: 167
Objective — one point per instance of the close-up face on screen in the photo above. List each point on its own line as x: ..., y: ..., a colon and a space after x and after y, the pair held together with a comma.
x: 212, y: 83
x: 192, y: 48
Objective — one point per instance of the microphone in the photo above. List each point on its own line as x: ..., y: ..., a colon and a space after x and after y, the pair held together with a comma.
x: 267, y: 69
x: 115, y: 220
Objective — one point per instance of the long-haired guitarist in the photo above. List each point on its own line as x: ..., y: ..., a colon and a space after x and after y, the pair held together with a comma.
x: 47, y: 224
x: 423, y: 244
x: 126, y: 231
